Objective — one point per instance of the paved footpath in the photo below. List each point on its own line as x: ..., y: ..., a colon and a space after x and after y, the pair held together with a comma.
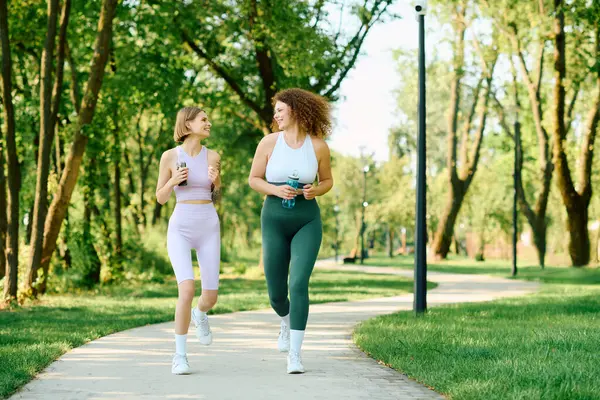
x: 243, y: 361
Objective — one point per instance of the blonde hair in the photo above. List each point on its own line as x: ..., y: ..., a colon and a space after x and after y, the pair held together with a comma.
x: 184, y: 115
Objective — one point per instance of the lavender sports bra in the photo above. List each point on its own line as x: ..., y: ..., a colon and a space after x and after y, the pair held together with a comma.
x: 198, y: 184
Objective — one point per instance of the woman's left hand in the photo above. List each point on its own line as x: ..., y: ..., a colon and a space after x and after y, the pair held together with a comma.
x: 213, y: 173
x: 309, y: 192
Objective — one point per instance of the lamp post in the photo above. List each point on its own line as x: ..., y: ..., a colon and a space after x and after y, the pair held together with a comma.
x: 336, y: 212
x: 420, y: 296
x: 364, y: 206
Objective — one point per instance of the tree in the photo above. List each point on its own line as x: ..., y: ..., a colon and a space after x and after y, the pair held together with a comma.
x: 2, y: 215
x: 576, y: 196
x: 58, y: 207
x: 461, y: 171
x: 12, y: 162
x: 49, y: 105
x: 246, y: 45
x: 395, y: 206
x: 510, y: 22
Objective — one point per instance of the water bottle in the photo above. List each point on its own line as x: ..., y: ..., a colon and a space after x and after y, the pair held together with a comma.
x: 293, y: 182
x: 182, y: 165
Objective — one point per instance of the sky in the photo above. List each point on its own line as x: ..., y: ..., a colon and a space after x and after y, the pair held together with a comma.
x: 366, y: 110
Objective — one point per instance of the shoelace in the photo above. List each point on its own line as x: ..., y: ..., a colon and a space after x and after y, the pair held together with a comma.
x: 294, y: 357
x: 285, y: 332
x: 179, y: 360
x: 204, y: 327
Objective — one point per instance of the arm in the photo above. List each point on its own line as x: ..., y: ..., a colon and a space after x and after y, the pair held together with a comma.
x: 257, y: 181
x: 166, y: 180
x: 324, y: 173
x: 214, y: 174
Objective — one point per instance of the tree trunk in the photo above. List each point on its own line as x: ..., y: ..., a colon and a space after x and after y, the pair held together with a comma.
x: 539, y: 240
x: 46, y: 132
x: 131, y: 189
x: 391, y: 241
x: 460, y: 180
x: 577, y: 200
x: 11, y: 249
x: 57, y: 210
x: 57, y: 153
x: 156, y: 213
x: 536, y: 217
x: 92, y: 275
x: 49, y: 105
x: 579, y: 243
x: 117, y: 192
x: 64, y: 251
x: 143, y: 173
x: 445, y: 232
x: 2, y: 214
x: 28, y: 228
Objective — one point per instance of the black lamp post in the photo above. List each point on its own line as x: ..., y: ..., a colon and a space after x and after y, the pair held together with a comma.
x: 364, y: 206
x: 420, y: 296
x: 336, y: 212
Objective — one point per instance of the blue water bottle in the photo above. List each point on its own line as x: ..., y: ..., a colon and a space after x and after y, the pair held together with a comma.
x: 293, y: 182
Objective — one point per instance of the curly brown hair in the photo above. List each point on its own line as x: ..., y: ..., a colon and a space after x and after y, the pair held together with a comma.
x: 311, y: 111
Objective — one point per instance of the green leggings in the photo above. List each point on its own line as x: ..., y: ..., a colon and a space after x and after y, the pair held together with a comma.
x: 291, y: 239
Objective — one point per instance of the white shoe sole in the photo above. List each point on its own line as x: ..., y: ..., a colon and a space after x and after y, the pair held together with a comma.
x: 181, y: 372
x: 295, y: 371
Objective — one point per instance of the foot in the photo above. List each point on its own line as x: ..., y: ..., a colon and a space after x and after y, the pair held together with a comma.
x: 180, y: 365
x: 203, y: 331
x: 294, y: 363
x: 283, y: 342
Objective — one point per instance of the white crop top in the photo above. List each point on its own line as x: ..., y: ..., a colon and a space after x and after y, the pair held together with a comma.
x: 285, y: 160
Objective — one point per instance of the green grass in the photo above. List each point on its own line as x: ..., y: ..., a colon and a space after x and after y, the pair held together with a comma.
x: 33, y: 335
x: 551, y: 274
x: 541, y: 346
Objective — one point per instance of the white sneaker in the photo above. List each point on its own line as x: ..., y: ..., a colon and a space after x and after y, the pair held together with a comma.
x: 203, y: 331
x: 294, y: 363
x: 283, y: 342
x: 180, y: 365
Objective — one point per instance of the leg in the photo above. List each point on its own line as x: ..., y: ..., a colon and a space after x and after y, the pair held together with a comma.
x: 184, y: 307
x: 276, y: 259
x: 180, y: 253
x: 208, y: 251
x: 207, y: 300
x: 305, y: 248
x: 179, y: 250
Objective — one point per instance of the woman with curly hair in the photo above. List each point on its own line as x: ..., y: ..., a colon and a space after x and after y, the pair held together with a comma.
x: 291, y: 233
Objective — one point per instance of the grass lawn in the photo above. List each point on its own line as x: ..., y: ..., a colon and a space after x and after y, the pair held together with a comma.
x: 526, y: 271
x: 541, y: 346
x: 33, y: 335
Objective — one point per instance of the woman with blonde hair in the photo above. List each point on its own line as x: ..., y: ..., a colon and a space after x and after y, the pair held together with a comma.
x: 290, y: 218
x: 193, y: 172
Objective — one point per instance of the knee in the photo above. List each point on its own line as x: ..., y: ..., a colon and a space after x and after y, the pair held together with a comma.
x: 186, y: 291
x: 277, y: 295
x: 298, y: 288
x: 209, y: 299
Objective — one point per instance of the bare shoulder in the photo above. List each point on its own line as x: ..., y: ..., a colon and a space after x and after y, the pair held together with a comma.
x: 169, y: 155
x: 213, y: 155
x: 267, y: 144
x: 269, y: 140
x: 321, y: 147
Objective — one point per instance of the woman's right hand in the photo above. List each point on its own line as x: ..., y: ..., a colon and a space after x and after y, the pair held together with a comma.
x: 180, y: 175
x: 285, y: 192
